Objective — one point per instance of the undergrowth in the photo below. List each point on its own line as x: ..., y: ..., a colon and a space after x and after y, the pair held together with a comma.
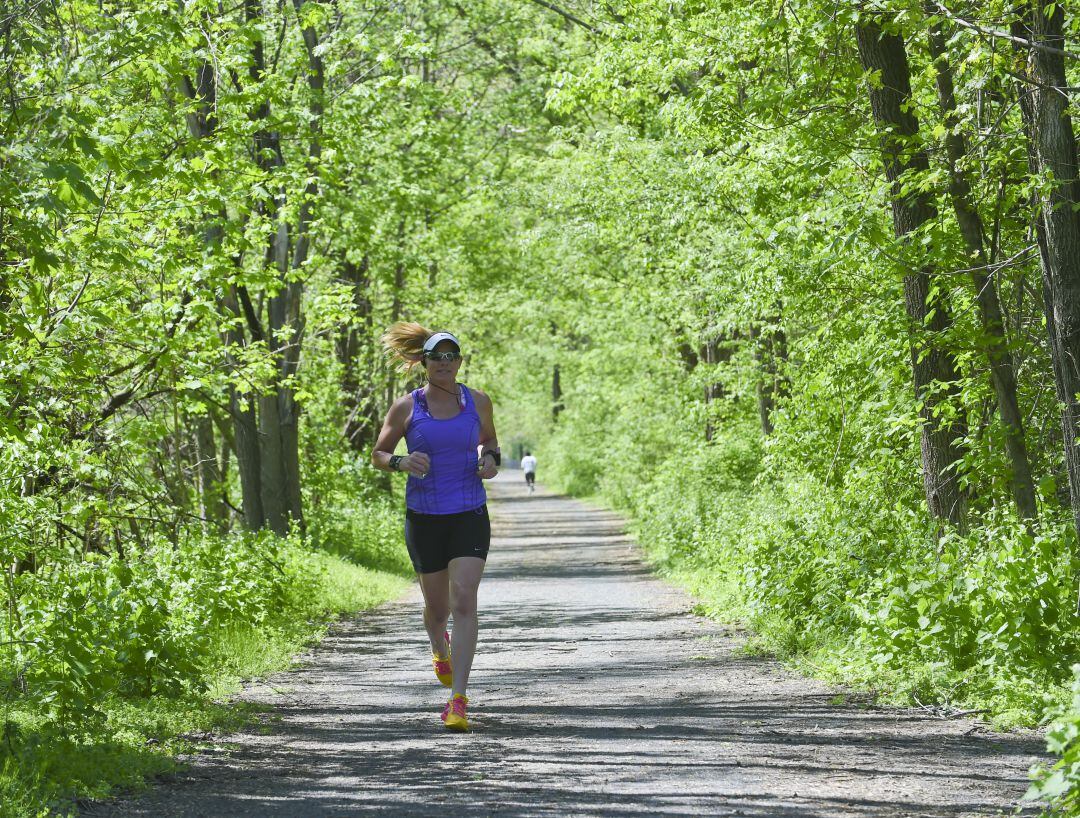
x: 139, y: 663
x: 869, y: 595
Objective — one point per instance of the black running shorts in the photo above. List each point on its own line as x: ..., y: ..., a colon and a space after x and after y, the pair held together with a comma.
x: 530, y: 477
x: 435, y: 539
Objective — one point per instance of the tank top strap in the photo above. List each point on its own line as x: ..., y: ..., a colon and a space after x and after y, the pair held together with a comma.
x: 420, y: 406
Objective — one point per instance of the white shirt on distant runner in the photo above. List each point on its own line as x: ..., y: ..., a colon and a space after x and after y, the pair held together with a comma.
x: 528, y: 464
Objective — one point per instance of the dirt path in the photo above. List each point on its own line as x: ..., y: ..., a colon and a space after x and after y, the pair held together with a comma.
x: 595, y: 693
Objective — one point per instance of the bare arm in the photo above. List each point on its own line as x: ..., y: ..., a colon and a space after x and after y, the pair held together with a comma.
x: 489, y: 440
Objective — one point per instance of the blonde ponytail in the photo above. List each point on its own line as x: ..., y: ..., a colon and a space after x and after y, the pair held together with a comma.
x: 404, y: 341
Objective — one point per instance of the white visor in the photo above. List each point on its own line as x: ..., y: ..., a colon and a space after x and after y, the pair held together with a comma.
x: 438, y: 338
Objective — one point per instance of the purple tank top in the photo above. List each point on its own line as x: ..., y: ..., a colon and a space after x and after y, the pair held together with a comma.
x: 452, y: 484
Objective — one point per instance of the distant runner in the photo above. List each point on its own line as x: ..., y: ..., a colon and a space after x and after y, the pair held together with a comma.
x: 452, y: 447
x: 528, y: 463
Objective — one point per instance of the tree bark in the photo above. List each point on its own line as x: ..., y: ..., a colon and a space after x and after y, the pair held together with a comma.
x: 1002, y: 372
x: 274, y: 406
x: 202, y: 123
x: 556, y: 394
x: 245, y: 426
x: 715, y: 351
x: 1048, y: 123
x: 211, y: 506
x: 353, y: 352
x: 279, y: 421
x: 933, y: 367
x: 248, y: 458
x: 769, y: 346
x: 289, y: 310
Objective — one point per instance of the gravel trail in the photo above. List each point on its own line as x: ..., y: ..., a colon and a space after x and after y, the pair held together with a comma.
x: 595, y: 692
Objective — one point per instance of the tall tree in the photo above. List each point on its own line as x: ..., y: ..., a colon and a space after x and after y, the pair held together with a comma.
x: 884, y: 56
x: 202, y: 123
x: 1048, y: 122
x: 354, y: 353
x: 972, y: 230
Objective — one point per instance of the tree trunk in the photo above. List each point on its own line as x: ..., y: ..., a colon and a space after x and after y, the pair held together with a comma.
x: 245, y: 426
x: 1049, y: 126
x: 353, y: 351
x: 556, y: 394
x: 716, y: 351
x: 932, y: 366
x: 279, y: 452
x: 211, y: 507
x: 1020, y: 27
x: 769, y: 346
x: 764, y: 380
x: 289, y: 309
x: 202, y: 124
x: 1055, y: 152
x: 224, y: 452
x: 1002, y: 372
x: 274, y: 406
x: 433, y: 264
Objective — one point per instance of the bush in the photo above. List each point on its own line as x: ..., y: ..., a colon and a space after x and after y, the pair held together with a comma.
x: 140, y: 624
x: 865, y: 587
x: 133, y: 648
x: 1059, y: 785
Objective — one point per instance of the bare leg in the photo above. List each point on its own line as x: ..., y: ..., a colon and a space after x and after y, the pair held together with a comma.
x: 465, y: 573
x: 436, y: 589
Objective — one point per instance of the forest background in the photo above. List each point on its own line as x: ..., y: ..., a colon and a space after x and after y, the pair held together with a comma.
x: 796, y: 284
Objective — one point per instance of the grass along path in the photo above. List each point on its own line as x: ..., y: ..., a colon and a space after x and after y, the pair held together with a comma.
x: 595, y: 692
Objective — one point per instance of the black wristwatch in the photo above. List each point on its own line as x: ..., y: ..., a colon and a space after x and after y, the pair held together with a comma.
x: 496, y: 456
x: 395, y: 462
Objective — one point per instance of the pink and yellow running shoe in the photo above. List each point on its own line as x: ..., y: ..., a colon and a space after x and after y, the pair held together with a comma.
x: 453, y: 715
x: 444, y: 671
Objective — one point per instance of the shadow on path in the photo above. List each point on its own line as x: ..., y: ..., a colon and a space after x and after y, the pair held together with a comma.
x: 595, y: 693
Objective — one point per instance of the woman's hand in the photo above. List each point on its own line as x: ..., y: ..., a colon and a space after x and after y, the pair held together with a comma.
x: 486, y: 467
x: 416, y: 463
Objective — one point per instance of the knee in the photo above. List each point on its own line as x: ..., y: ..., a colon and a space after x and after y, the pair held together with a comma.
x: 463, y: 600
x: 439, y: 613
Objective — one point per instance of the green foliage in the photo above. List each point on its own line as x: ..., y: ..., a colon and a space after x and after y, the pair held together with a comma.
x: 710, y: 244
x: 141, y: 626
x: 232, y: 615
x: 209, y: 213
x: 1059, y: 784
x: 692, y: 514
x: 985, y: 617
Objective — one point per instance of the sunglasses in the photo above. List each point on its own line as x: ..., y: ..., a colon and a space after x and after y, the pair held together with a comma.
x: 443, y: 356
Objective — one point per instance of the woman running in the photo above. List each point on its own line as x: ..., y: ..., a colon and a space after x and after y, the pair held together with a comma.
x: 450, y: 434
